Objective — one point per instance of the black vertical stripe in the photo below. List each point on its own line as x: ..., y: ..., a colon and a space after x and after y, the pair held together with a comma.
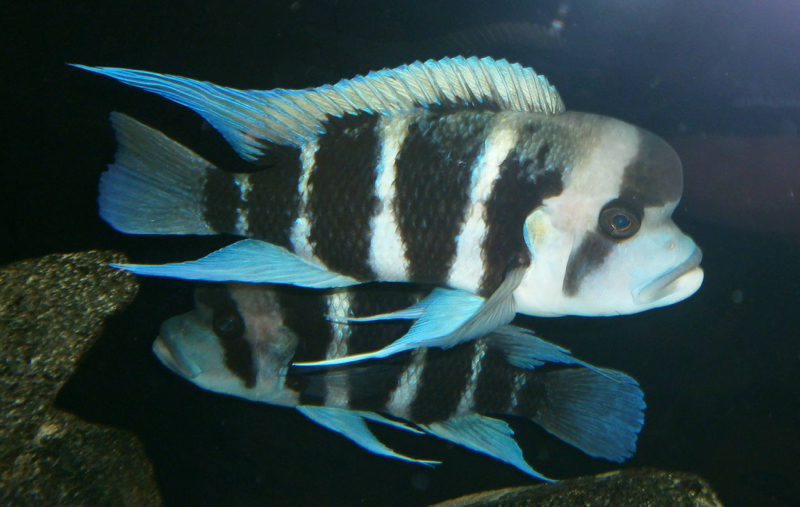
x: 371, y: 386
x: 273, y: 201
x: 524, y: 182
x: 229, y: 327
x: 655, y: 176
x: 341, y: 193
x: 434, y: 171
x: 495, y: 383
x: 444, y: 378
x: 221, y: 200
x: 304, y: 313
x: 532, y: 395
x: 584, y: 261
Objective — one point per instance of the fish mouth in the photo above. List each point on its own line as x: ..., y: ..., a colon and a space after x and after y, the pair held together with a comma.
x: 687, y: 275
x: 170, y: 354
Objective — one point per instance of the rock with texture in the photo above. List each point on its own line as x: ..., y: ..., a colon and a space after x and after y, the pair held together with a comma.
x: 51, y: 311
x: 627, y: 488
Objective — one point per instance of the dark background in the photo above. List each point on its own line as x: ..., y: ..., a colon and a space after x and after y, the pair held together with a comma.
x: 720, y: 371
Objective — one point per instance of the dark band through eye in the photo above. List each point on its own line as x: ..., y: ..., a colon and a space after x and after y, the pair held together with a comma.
x: 619, y: 219
x: 227, y: 324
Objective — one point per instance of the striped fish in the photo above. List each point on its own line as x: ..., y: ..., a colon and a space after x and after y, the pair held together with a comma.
x: 242, y: 338
x: 466, y: 174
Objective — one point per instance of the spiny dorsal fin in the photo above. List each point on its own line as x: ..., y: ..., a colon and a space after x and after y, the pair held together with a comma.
x: 249, y: 120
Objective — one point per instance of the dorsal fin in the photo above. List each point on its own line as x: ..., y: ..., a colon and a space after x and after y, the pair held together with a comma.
x: 251, y: 119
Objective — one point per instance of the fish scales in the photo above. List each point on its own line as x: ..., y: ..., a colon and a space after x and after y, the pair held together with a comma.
x: 434, y: 171
x: 222, y: 200
x: 446, y: 375
x: 342, y: 200
x: 272, y: 202
x: 441, y: 392
x: 466, y: 174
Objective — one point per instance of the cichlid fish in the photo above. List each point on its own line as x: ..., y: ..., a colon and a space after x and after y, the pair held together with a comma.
x: 242, y: 338
x: 466, y: 174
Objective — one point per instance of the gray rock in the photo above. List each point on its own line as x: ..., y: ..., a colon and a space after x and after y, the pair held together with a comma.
x: 51, y: 311
x: 626, y: 488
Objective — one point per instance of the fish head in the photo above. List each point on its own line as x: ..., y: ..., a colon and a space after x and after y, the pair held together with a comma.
x: 233, y: 342
x: 607, y: 244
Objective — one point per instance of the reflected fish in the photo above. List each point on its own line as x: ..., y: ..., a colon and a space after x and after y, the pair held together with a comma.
x: 241, y: 340
x: 466, y: 174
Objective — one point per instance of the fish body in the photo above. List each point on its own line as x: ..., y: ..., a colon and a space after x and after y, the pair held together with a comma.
x: 466, y: 174
x: 241, y: 340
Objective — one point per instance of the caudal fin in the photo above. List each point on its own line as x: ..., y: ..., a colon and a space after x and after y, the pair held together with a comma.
x: 600, y: 414
x: 155, y: 185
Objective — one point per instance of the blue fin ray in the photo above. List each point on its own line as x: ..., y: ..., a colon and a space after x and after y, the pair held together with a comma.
x: 250, y: 261
x: 252, y: 118
x: 351, y: 425
x: 600, y: 413
x: 155, y: 185
x: 448, y: 317
x: 524, y: 349
x: 486, y: 435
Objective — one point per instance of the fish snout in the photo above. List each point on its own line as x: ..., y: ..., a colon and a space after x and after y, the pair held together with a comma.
x: 169, y: 353
x: 676, y: 284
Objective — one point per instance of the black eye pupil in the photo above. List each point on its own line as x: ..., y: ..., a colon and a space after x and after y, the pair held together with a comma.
x: 620, y: 219
x: 227, y: 324
x: 620, y: 222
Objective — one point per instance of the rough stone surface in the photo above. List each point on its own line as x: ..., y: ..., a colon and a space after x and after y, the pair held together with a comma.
x: 51, y: 311
x: 627, y: 488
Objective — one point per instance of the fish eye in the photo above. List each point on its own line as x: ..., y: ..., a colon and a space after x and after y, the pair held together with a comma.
x: 619, y: 220
x: 227, y: 324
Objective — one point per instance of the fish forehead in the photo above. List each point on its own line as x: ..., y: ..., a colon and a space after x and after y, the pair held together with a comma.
x: 655, y: 176
x: 615, y: 159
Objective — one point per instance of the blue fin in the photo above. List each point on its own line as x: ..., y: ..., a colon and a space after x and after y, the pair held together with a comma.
x: 448, y: 317
x: 155, y: 185
x: 524, y: 349
x: 351, y: 424
x: 287, y: 117
x: 249, y: 260
x: 487, y: 435
x: 440, y: 314
x: 412, y: 312
x: 599, y: 413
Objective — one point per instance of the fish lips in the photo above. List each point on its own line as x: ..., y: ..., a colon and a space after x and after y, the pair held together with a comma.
x: 685, y: 277
x: 169, y: 352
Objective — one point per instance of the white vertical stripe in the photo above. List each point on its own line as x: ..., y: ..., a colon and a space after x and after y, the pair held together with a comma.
x: 466, y: 403
x: 519, y: 383
x: 338, y: 395
x: 301, y: 229
x: 468, y: 268
x: 387, y: 251
x: 242, y: 222
x: 400, y: 401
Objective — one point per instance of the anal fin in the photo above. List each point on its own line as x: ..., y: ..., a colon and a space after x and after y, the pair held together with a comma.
x: 351, y: 425
x: 487, y: 435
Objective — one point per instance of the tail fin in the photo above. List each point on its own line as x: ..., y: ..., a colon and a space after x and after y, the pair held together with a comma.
x: 600, y: 414
x: 155, y: 185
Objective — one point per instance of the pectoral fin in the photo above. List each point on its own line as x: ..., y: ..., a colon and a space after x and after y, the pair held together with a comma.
x: 487, y: 435
x: 351, y: 424
x: 447, y: 318
x: 251, y: 261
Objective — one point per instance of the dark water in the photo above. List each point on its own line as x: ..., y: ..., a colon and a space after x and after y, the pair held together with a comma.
x: 720, y: 371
